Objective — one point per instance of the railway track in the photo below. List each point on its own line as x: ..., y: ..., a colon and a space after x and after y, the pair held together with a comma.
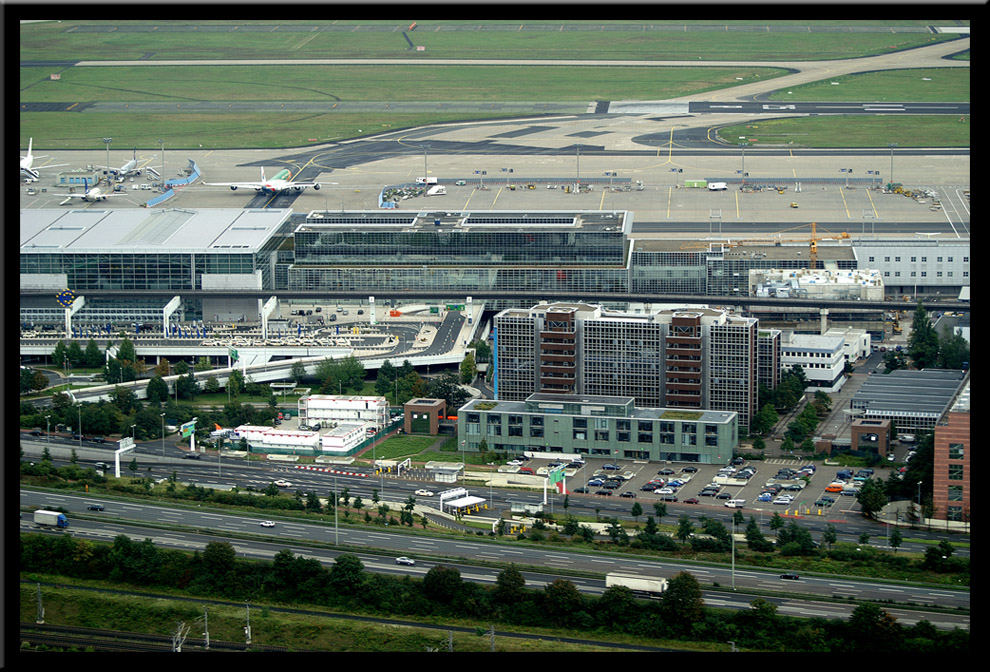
x: 95, y: 639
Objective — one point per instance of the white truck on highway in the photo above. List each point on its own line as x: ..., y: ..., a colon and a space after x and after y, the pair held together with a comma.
x: 50, y: 518
x: 645, y: 586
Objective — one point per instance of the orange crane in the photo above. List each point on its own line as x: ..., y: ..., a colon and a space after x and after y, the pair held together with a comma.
x: 812, y: 253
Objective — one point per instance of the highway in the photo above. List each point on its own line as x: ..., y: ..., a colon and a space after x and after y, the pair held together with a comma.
x: 129, y: 518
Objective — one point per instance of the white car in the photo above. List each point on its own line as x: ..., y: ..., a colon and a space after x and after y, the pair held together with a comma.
x: 514, y: 463
x: 283, y: 484
x: 783, y: 499
x: 267, y: 523
x: 424, y: 493
x: 664, y: 491
x: 403, y: 560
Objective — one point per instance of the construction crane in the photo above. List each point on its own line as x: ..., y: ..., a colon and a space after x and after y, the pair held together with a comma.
x: 813, y: 249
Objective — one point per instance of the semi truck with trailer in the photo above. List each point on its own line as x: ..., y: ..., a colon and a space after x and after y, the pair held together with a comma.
x: 643, y: 586
x: 50, y: 519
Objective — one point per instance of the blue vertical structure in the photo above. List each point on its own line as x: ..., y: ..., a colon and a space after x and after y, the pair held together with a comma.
x: 495, y: 361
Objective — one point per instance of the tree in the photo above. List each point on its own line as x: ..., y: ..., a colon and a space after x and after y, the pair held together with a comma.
x: 896, y: 538
x: 953, y: 350
x: 347, y: 574
x: 660, y: 508
x: 157, y: 391
x: 759, y: 443
x: 235, y: 383
x: 92, y: 357
x: 212, y: 385
x: 923, y: 341
x: 60, y: 353
x: 829, y: 535
x: 636, y: 511
x: 685, y: 528
x: 468, y: 368
x: 765, y: 419
x: 442, y: 583
x: 448, y: 388
x: 482, y: 351
x: 75, y: 354
x: 871, y: 497
x: 124, y: 399
x: 203, y: 364
x: 386, y: 378
x: 298, y: 371
x: 562, y: 601
x: 681, y: 604
x: 776, y: 522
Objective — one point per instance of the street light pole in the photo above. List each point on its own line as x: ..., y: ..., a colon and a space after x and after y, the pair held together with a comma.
x: 48, y: 430
x: 163, y: 434
x: 133, y: 433
x: 79, y: 414
x: 108, y: 141
x: 892, y: 145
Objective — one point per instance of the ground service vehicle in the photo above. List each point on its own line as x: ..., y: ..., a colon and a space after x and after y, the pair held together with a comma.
x: 50, y: 519
x: 644, y: 586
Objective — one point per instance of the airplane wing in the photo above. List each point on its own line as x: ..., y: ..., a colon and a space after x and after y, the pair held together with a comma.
x: 235, y: 185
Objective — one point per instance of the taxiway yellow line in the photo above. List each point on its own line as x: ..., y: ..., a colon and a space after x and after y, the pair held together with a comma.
x: 872, y: 204
x: 844, y: 204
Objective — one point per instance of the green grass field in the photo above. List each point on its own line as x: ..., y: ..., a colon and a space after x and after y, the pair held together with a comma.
x: 623, y: 40
x: 854, y: 131
x: 66, y: 40
x: 397, y: 83
x: 918, y: 85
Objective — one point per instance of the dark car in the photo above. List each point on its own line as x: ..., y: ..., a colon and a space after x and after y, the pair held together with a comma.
x: 35, y: 432
x: 77, y: 437
x: 95, y: 507
x: 650, y: 487
x: 689, y: 470
x: 575, y: 465
x: 692, y: 500
x: 724, y: 495
x: 628, y: 493
x: 737, y: 461
x: 99, y: 439
x: 707, y: 492
x: 792, y: 577
x: 825, y: 501
x: 665, y: 472
x: 360, y: 312
x: 612, y: 485
x: 606, y: 493
x: 611, y: 467
x: 668, y: 498
x: 581, y: 490
x: 192, y: 456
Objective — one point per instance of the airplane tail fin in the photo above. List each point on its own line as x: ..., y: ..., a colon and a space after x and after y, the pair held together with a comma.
x: 30, y: 142
x: 262, y: 173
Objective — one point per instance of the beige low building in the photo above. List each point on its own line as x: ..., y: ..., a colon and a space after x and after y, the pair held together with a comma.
x: 862, y: 284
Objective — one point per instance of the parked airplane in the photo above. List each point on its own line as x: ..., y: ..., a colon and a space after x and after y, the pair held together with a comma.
x: 130, y: 168
x: 277, y: 184
x: 94, y: 194
x: 27, y: 164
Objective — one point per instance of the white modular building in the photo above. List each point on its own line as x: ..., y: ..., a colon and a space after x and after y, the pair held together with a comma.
x: 343, y: 438
x: 821, y: 357
x: 322, y: 408
x: 856, y: 343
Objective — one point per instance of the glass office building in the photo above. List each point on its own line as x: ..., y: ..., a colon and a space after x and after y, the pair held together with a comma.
x: 461, y: 251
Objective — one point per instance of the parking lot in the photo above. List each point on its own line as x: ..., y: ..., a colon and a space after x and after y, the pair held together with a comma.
x: 767, y: 486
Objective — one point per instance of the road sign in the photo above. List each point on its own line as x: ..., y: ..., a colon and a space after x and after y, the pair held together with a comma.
x: 187, y: 429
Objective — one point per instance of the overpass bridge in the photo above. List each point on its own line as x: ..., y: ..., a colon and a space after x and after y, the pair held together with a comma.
x: 556, y: 294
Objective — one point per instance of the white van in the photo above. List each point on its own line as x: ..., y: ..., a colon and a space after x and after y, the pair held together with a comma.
x: 717, y: 186
x: 735, y: 503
